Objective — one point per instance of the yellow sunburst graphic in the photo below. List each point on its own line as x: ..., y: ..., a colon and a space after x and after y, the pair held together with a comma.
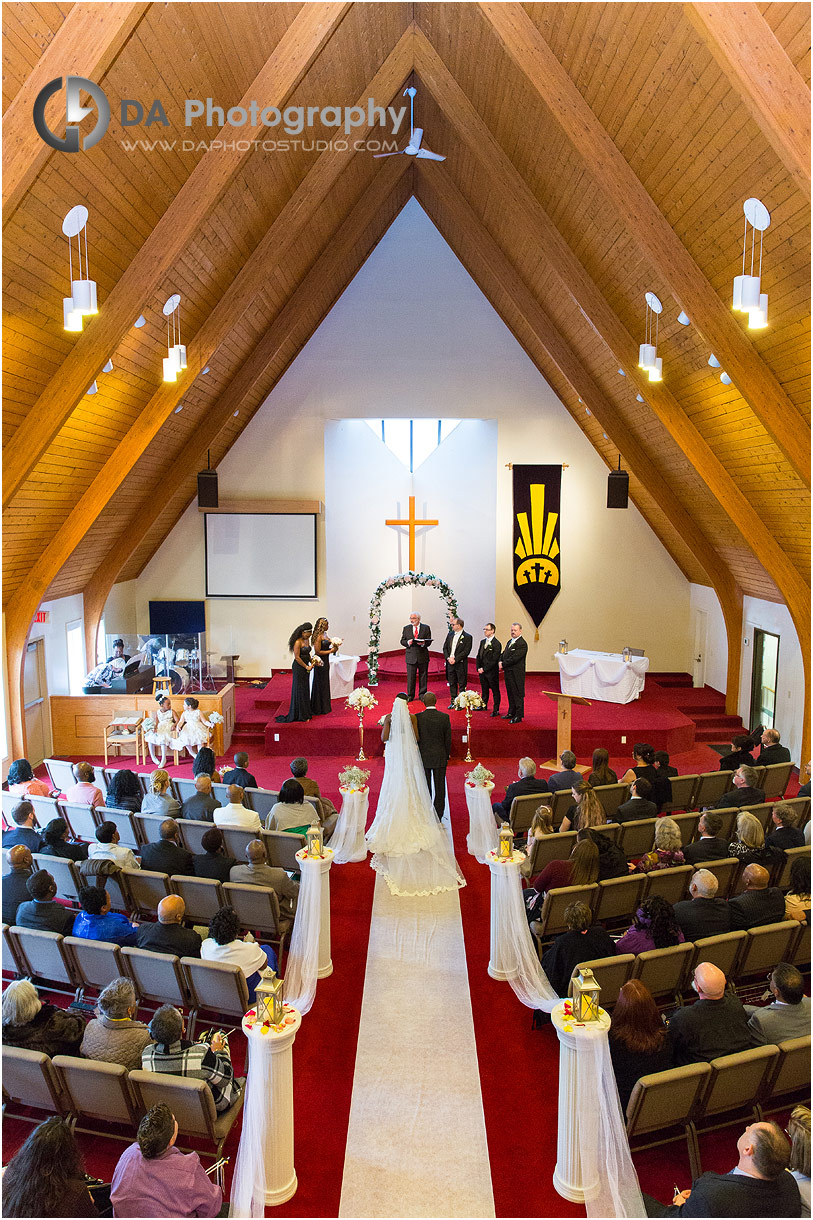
x: 537, y: 547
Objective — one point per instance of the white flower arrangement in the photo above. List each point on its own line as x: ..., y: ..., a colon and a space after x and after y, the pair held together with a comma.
x: 361, y: 698
x: 337, y: 640
x: 215, y: 718
x: 467, y: 699
x: 402, y: 580
x: 479, y: 776
x: 354, y: 778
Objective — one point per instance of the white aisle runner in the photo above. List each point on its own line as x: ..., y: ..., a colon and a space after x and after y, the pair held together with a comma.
x: 416, y: 1142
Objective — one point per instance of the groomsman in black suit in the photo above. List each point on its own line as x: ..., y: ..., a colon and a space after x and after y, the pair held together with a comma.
x: 456, y: 649
x: 513, y: 667
x: 488, y: 666
x: 416, y: 638
x: 435, y: 746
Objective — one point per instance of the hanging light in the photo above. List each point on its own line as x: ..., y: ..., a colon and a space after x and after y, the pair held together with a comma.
x: 748, y: 296
x: 726, y: 380
x: 108, y: 368
x: 82, y: 301
x: 92, y: 389
x: 140, y: 321
x: 648, y: 358
x: 683, y: 318
x: 175, y: 359
x: 713, y: 361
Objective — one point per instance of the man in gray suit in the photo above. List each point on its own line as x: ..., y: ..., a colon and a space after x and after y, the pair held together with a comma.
x: 789, y: 1015
x: 257, y: 871
x: 435, y: 746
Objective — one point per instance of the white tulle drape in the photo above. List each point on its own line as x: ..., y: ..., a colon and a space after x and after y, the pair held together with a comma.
x: 347, y: 839
x: 514, y: 953
x: 482, y: 837
x: 302, y: 964
x: 248, y: 1180
x: 412, y: 851
x: 608, y: 1174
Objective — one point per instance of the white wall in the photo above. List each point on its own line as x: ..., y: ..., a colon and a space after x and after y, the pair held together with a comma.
x: 413, y: 336
x: 62, y: 611
x: 790, y: 682
x: 702, y: 597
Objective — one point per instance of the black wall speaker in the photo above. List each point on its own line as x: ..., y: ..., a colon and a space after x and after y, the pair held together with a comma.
x: 618, y: 489
x: 207, y: 489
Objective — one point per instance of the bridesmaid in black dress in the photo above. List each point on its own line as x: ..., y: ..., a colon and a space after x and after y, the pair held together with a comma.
x: 322, y: 648
x: 299, y: 645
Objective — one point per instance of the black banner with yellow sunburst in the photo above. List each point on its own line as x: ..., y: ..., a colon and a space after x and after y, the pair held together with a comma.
x: 537, y: 557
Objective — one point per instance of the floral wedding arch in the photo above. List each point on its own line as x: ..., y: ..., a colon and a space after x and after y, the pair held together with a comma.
x: 401, y: 581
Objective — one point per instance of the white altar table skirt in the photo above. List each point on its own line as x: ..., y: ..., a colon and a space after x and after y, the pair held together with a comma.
x: 342, y: 674
x: 604, y: 676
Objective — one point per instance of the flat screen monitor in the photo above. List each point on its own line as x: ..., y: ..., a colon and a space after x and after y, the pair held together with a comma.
x: 176, y: 618
x: 262, y: 555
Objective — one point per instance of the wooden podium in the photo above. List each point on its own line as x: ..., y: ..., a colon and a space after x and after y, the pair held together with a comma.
x: 564, y: 719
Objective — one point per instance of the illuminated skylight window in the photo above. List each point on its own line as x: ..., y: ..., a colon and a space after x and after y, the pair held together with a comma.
x: 412, y: 440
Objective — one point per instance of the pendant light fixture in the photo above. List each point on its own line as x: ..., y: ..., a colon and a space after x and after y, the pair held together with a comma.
x: 82, y: 301
x: 748, y: 295
x: 175, y: 359
x: 648, y: 358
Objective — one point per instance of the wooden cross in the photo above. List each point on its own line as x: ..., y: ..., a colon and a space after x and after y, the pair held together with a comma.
x: 412, y: 522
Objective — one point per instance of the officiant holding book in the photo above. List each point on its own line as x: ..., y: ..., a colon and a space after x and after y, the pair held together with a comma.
x: 415, y: 639
x: 456, y: 649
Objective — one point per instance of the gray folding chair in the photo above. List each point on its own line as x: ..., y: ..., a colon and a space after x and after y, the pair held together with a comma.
x: 157, y: 976
x: 261, y: 800
x: 64, y: 872
x: 202, y: 896
x: 30, y: 1078
x: 82, y: 820
x: 190, y: 1102
x: 125, y: 824
x: 669, y: 883
x: 60, y: 773
x: 98, y: 1090
x: 95, y: 962
x: 281, y: 847
x: 710, y: 787
x: 683, y: 789
x: 146, y: 889
x: 611, y: 796
x: 775, y: 780
x: 214, y: 987
x: 192, y: 832
x: 46, y: 958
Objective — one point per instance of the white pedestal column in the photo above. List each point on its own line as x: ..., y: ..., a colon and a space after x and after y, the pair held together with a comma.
x: 567, y: 1177
x: 268, y: 1113
x: 503, y: 962
x: 319, y: 868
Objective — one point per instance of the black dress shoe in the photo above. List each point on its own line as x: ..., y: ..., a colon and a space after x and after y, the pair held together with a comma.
x: 517, y: 720
x: 508, y: 717
x: 495, y: 714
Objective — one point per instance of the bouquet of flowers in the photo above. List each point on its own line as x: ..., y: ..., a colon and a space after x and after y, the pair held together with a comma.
x: 215, y: 718
x: 354, y: 779
x: 360, y: 699
x: 467, y: 699
x: 479, y: 777
x: 337, y: 640
x: 148, y: 724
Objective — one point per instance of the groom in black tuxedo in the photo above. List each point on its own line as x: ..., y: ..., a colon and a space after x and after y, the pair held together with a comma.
x: 488, y: 666
x: 456, y: 649
x: 416, y: 638
x: 435, y: 746
x: 513, y: 667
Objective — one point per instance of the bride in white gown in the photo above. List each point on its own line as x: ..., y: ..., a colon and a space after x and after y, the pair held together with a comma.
x: 412, y: 851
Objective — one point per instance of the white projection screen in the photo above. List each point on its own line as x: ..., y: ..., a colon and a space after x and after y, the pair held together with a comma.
x: 260, y: 554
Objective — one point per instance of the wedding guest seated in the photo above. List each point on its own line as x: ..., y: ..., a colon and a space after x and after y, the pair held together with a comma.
x: 662, y: 765
x: 21, y: 780
x: 586, y: 810
x: 580, y: 869
x: 715, y: 1025
x: 124, y: 791
x: 114, y: 1035
x: 749, y: 845
x: 662, y: 783
x: 238, y: 774
x: 167, y: 856
x: 84, y: 791
x: 772, y: 752
x: 667, y: 850
x: 653, y: 927
x: 41, y: 912
x: 15, y: 889
x: 744, y: 791
x: 643, y: 764
x: 710, y: 845
x: 205, y: 763
x: 758, y: 1185
x: 740, y: 754
x: 235, y: 813
x: 640, y: 1043
x: 34, y: 1026
x: 290, y: 812
x: 209, y: 1061
x: 257, y: 871
x: 55, y: 842
x: 789, y: 1014
x: 159, y: 799
x: 797, y: 899
x: 201, y: 807
x: 611, y: 860
x: 46, y: 1177
x: 638, y: 805
x: 601, y: 772
x: 224, y: 944
x: 703, y: 914
x: 213, y: 862
x: 568, y: 777
x: 757, y: 904
x: 799, y: 1136
x: 527, y: 784
x: 23, y: 832
x: 299, y: 770
x: 541, y: 826
x: 97, y: 922
x: 580, y: 943
x: 107, y: 847
x: 154, y: 1178
x: 787, y: 833
x: 169, y: 935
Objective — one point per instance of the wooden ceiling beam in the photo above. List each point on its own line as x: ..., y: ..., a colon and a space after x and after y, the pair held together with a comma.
x: 764, y: 77
x: 489, y: 267
x: 296, y: 51
x: 529, y: 51
x: 86, y: 44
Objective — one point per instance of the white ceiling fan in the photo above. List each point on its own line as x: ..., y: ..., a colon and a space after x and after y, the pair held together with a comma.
x: 413, y: 148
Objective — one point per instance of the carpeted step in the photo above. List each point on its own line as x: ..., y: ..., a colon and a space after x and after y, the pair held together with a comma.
x: 673, y: 679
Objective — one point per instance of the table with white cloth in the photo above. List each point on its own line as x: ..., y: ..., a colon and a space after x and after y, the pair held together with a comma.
x: 342, y: 674
x: 483, y: 836
x: 605, y: 676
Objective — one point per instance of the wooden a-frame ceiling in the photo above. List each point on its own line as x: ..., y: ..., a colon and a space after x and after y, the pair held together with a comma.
x: 594, y: 151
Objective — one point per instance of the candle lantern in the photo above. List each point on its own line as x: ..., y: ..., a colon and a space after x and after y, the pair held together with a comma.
x: 506, y: 842
x: 626, y: 654
x: 268, y: 998
x: 586, y: 992
x: 563, y: 647
x: 315, y: 836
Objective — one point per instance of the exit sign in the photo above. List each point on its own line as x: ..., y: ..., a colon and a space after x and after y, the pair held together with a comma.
x: 42, y: 616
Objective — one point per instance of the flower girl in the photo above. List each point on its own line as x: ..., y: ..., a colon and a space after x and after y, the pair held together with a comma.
x: 163, y: 730
x: 193, y: 728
